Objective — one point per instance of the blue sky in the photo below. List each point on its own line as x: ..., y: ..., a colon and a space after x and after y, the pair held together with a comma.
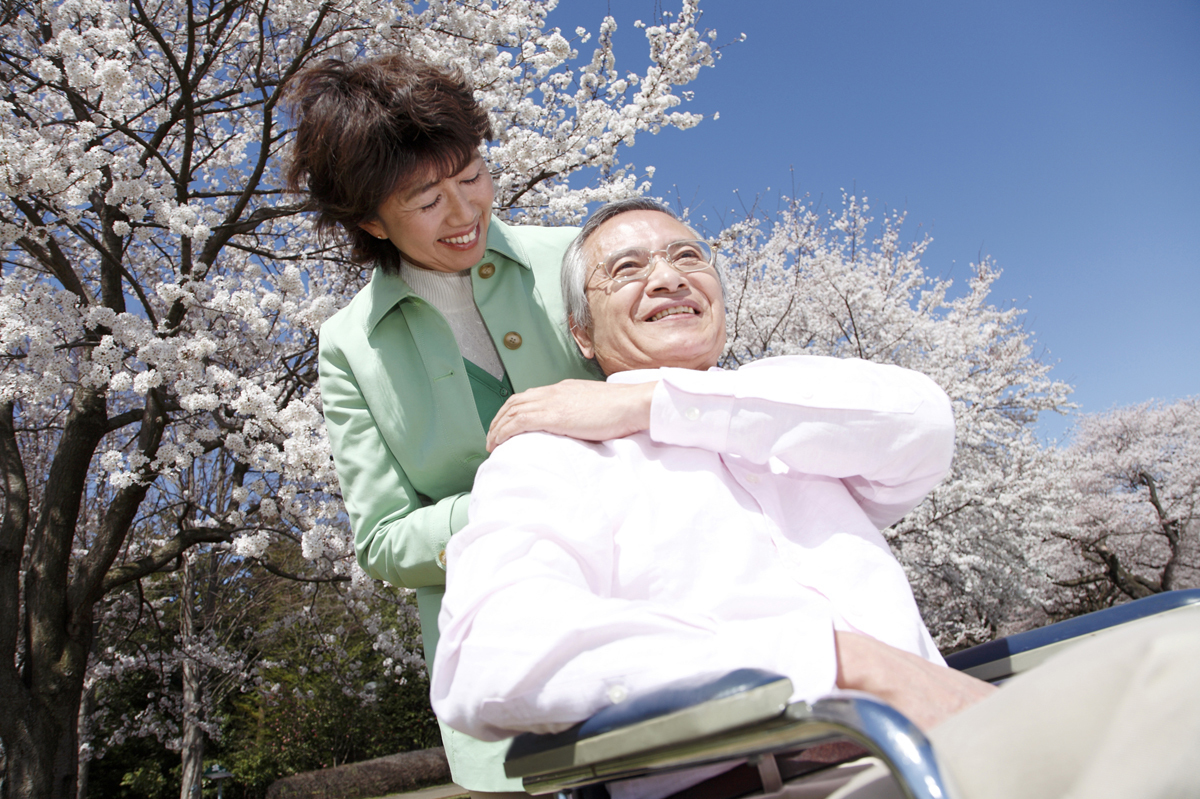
x: 1060, y: 138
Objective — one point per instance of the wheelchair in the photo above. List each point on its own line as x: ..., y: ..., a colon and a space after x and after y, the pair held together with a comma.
x: 789, y: 750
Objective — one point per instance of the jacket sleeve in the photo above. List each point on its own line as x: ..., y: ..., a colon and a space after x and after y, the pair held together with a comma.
x: 533, y: 637
x: 397, y: 537
x: 886, y: 432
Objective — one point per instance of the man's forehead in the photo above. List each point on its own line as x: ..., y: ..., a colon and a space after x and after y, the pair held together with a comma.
x: 642, y: 228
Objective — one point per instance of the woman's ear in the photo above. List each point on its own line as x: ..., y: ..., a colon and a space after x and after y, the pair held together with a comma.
x: 374, y: 227
x: 582, y: 338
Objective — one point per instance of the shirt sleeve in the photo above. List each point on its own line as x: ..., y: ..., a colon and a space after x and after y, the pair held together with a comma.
x: 532, y: 637
x: 886, y: 432
x: 396, y: 537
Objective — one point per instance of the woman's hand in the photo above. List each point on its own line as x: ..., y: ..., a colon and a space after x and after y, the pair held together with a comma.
x: 583, y: 409
x: 926, y: 693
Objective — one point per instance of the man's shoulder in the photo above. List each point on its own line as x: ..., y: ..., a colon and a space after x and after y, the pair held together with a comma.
x: 569, y: 462
x: 539, y: 448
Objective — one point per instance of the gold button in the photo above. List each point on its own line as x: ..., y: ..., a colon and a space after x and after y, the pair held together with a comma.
x: 487, y: 270
x: 442, y: 558
x: 512, y: 340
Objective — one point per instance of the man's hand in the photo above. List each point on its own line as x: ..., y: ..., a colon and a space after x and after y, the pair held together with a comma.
x: 583, y: 409
x: 928, y: 694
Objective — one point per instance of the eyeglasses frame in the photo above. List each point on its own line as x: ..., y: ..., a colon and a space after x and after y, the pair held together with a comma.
x: 665, y: 254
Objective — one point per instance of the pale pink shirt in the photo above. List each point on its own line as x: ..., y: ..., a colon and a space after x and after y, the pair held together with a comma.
x: 740, y: 531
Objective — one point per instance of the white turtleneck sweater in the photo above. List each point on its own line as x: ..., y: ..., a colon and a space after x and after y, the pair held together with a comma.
x: 450, y: 293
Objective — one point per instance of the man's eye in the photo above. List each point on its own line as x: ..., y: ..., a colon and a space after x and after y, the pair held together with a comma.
x: 687, y: 252
x: 626, y: 267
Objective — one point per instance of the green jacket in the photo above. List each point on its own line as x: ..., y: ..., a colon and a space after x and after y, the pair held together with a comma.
x: 401, y: 417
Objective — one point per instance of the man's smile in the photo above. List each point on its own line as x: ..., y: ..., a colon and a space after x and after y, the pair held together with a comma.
x: 671, y: 311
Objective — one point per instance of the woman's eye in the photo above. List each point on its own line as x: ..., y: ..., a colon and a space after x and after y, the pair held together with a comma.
x: 436, y: 200
x: 475, y: 179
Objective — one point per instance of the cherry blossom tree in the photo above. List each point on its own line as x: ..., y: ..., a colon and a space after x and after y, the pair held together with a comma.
x: 160, y: 295
x: 1132, y: 521
x: 802, y: 281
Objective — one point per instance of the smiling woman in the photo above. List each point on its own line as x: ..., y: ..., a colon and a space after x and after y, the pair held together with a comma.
x: 439, y: 225
x: 461, y: 312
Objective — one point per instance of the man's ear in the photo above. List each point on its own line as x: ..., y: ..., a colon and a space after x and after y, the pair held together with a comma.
x: 582, y: 338
x: 374, y: 227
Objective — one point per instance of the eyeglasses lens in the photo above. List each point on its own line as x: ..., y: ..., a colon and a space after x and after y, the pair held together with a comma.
x: 635, y: 263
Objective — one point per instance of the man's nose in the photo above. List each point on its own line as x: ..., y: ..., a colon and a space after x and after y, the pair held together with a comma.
x: 663, y: 274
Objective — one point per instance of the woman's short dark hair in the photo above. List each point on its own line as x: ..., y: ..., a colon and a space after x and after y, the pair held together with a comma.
x: 366, y: 129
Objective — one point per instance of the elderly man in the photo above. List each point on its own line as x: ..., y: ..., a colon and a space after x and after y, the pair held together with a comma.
x: 738, y: 527
x: 712, y: 520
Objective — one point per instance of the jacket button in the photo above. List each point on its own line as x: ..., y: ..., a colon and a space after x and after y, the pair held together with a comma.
x: 442, y: 558
x: 512, y: 340
x: 487, y: 270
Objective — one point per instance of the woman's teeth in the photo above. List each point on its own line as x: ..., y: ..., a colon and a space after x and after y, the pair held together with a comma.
x: 464, y: 239
x: 670, y: 311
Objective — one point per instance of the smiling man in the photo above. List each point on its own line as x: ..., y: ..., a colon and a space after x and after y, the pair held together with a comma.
x: 718, y: 519
x: 711, y: 520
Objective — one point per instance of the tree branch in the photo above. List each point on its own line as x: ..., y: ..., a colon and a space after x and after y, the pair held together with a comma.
x: 87, y: 587
x: 161, y: 556
x: 278, y: 572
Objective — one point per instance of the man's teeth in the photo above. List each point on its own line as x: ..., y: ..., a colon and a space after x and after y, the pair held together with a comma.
x: 464, y: 239
x: 669, y: 311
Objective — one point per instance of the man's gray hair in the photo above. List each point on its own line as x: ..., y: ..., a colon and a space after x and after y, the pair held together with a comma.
x: 575, y: 265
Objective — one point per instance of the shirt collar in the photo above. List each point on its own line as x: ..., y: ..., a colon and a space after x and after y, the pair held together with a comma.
x: 386, y: 290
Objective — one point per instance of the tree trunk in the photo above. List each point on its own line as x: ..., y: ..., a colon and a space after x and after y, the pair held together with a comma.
x: 193, y: 736
x: 42, y: 760
x: 86, y: 706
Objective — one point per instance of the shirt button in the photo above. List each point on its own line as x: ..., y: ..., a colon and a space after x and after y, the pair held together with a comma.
x: 487, y: 270
x: 503, y: 392
x: 512, y: 340
x: 442, y: 558
x: 692, y: 414
x: 752, y: 478
x: 617, y: 694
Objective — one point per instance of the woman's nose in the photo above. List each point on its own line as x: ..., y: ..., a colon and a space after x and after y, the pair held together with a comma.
x: 459, y: 209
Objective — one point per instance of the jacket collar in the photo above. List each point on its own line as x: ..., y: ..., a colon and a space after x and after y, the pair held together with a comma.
x: 386, y: 290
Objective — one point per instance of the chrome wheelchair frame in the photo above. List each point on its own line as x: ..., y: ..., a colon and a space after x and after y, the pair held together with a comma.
x: 745, y: 715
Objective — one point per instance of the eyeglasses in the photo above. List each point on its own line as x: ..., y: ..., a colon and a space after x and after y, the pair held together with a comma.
x: 636, y: 263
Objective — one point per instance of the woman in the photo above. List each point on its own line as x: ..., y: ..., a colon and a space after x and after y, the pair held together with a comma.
x: 461, y: 311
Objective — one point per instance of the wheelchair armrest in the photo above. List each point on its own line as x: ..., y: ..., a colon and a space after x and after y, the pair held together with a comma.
x: 743, y: 715
x: 682, y: 711
x: 1006, y: 657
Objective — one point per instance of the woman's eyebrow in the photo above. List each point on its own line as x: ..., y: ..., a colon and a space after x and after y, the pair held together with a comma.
x: 413, y: 192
